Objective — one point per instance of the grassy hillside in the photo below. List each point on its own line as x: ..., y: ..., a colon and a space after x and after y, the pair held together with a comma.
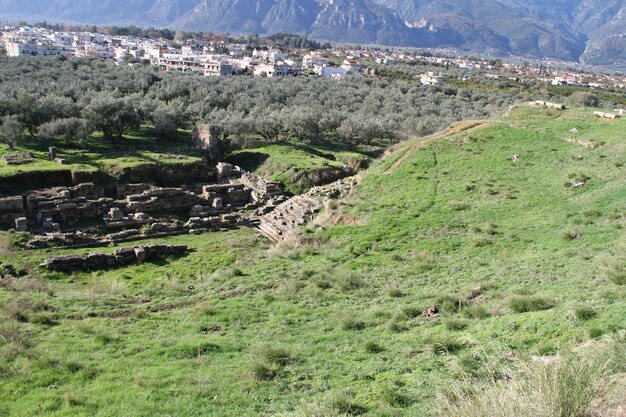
x: 330, y: 323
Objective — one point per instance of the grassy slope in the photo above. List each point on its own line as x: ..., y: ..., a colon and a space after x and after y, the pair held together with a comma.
x: 137, y: 149
x: 345, y: 303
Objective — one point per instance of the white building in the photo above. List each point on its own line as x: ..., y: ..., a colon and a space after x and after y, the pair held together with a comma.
x: 278, y: 69
x: 37, y: 48
x: 431, y: 79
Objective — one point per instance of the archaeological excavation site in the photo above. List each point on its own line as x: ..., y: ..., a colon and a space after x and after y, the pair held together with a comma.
x: 212, y: 196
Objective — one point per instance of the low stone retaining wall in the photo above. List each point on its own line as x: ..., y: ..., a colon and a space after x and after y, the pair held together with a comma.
x: 121, y: 257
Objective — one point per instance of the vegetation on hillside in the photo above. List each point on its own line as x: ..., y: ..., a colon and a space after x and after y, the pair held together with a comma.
x: 330, y: 323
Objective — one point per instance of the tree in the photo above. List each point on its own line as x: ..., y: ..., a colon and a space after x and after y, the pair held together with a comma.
x: 584, y: 99
x: 11, y: 131
x: 111, y: 115
x: 166, y: 121
x: 72, y: 128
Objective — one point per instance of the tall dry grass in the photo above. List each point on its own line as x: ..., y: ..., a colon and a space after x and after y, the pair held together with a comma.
x: 587, y: 382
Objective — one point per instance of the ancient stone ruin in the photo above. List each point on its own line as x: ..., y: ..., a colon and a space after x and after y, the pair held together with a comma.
x: 206, y: 138
x: 607, y: 115
x: 547, y: 104
x: 121, y: 257
x: 18, y: 159
x: 277, y: 223
x: 86, y: 215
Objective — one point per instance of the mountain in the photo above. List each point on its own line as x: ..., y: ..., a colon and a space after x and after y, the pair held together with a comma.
x: 589, y: 31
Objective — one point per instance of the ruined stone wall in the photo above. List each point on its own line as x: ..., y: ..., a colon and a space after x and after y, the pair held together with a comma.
x: 204, y: 137
x: 120, y: 257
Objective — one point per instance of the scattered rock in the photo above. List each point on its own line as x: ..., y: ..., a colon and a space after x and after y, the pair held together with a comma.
x: 430, y: 312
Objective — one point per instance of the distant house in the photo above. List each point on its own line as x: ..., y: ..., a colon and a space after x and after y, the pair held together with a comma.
x: 278, y: 69
x: 202, y: 64
x: 324, y: 71
x: 352, y: 66
x: 431, y: 79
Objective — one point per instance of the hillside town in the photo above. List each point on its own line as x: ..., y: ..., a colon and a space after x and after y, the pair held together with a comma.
x: 224, y: 58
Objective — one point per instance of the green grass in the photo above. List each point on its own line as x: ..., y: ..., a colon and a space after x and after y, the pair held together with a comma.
x: 138, y: 148
x: 332, y: 325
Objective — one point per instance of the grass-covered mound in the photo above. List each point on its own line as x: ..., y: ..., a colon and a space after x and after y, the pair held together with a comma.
x: 516, y: 260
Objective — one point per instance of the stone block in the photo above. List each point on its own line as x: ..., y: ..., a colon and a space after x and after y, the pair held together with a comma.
x: 21, y: 224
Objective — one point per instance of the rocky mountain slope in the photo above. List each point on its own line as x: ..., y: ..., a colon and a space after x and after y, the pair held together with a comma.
x: 592, y: 31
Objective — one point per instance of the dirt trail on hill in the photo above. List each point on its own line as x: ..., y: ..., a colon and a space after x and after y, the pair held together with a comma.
x: 466, y: 125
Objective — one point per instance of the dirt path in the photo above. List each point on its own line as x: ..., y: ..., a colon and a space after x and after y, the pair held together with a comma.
x: 463, y: 126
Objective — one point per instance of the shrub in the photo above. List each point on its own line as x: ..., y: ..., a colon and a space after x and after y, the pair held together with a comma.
x: 476, y: 312
x: 425, y: 261
x: 585, y: 313
x: 373, y: 347
x: 450, y: 303
x: 455, y: 324
x: 524, y: 304
x: 350, y: 322
x: 204, y: 309
x: 348, y: 280
x: 263, y: 371
x: 46, y: 319
x: 395, y: 397
x: 595, y: 332
x: 343, y: 404
x: 194, y: 350
x: 410, y: 312
x: 571, y: 235
x: 446, y: 345
x: 546, y: 348
x: 269, y: 361
x: 395, y: 293
x: 396, y: 327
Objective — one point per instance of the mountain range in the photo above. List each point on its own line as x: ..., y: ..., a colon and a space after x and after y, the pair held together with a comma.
x: 588, y: 31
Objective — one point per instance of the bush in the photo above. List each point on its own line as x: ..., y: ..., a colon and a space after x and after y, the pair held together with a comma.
x: 350, y: 322
x: 410, y: 312
x: 455, y: 324
x: 269, y: 361
x: 373, y: 347
x: 476, y: 312
x: 525, y: 304
x: 585, y: 313
x: 343, y: 404
x: 446, y: 345
x: 450, y: 304
x: 264, y: 372
x: 595, y: 332
x: 348, y: 280
x: 395, y: 293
